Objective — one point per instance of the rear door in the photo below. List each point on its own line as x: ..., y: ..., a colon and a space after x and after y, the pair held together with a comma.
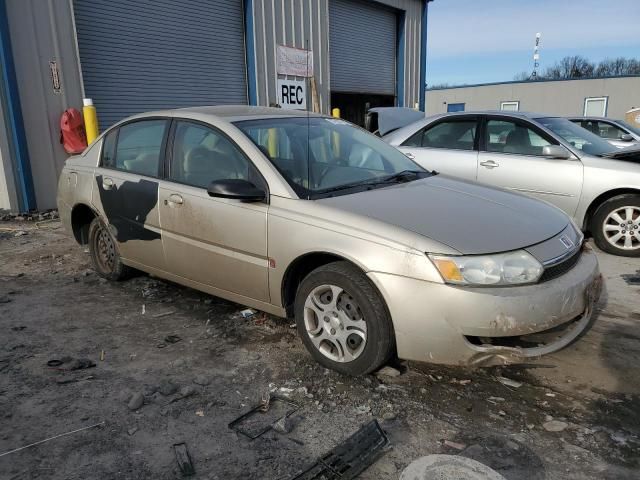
x: 511, y: 157
x: 126, y: 189
x: 217, y: 242
x: 447, y: 145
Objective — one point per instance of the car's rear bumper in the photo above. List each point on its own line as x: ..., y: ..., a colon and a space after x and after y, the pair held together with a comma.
x: 441, y: 323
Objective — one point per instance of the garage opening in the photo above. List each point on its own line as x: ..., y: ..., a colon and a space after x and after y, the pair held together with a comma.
x: 362, y: 47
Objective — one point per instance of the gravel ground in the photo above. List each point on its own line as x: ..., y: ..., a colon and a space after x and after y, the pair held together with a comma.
x: 152, y: 394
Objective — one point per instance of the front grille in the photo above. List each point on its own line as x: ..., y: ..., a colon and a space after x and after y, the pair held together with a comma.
x: 560, y: 268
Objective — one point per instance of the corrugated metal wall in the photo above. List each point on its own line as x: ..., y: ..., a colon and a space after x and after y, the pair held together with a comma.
x: 155, y: 54
x: 42, y: 32
x: 294, y: 22
x: 363, y: 46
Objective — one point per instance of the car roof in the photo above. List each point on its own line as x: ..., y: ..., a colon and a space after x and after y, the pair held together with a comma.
x: 230, y: 113
x: 593, y: 118
x: 531, y: 115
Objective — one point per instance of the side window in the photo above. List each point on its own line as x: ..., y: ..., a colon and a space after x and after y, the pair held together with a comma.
x: 456, y: 135
x: 610, y: 132
x: 505, y: 136
x: 109, y: 149
x: 139, y: 146
x: 202, y: 155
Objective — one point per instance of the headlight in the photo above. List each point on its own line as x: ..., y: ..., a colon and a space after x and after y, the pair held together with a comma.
x: 513, y: 268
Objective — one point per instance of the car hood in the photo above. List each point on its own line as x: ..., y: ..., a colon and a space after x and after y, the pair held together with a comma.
x: 630, y: 153
x: 393, y: 118
x: 468, y: 217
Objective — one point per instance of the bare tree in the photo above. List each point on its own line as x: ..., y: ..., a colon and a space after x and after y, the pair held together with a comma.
x: 577, y: 66
x: 618, y: 66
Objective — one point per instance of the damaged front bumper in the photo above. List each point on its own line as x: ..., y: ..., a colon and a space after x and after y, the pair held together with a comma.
x: 445, y: 324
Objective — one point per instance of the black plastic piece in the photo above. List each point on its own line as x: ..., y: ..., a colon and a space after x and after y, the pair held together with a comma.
x: 236, y: 189
x: 237, y: 423
x: 352, y: 457
x: 184, y: 459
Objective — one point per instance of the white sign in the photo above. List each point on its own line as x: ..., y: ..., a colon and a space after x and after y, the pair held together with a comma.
x: 294, y: 61
x: 292, y: 94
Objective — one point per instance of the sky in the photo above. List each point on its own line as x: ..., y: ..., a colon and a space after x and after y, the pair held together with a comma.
x: 479, y: 41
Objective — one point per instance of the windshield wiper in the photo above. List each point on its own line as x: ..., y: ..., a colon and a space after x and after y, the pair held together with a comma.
x: 400, y: 177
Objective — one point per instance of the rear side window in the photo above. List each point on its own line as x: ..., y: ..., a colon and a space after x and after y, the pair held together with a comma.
x: 454, y: 135
x: 139, y: 147
x: 109, y: 149
x: 505, y: 136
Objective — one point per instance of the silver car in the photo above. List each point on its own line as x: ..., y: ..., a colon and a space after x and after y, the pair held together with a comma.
x: 548, y: 158
x: 309, y: 217
x: 617, y: 132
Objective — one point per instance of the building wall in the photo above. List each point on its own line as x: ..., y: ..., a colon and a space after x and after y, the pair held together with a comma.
x: 42, y: 31
x: 564, y: 97
x: 8, y: 194
x: 302, y: 23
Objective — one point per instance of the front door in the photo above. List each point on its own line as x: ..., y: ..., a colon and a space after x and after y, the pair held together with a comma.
x: 217, y: 242
x: 447, y: 146
x: 126, y: 189
x: 511, y: 157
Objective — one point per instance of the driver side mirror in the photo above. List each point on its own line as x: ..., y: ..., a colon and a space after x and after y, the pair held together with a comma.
x: 236, y: 189
x: 556, y: 151
x: 625, y: 137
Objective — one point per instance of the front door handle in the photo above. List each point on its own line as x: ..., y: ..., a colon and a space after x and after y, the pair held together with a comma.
x: 490, y: 164
x: 174, y: 200
x: 107, y: 184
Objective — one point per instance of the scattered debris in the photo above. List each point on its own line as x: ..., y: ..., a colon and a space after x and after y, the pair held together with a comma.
x: 456, y: 445
x: 136, y: 401
x: 256, y: 421
x: 167, y: 387
x: 172, y: 339
x: 509, y: 382
x: 249, y: 312
x: 70, y: 364
x: 164, y: 314
x: 350, y: 458
x: 632, y: 278
x: 184, y: 459
x: 144, y: 309
x: 102, y: 355
x: 554, y: 426
x: 64, y: 381
x: 388, y: 372
x: 200, y: 413
x: 495, y: 400
x: 5, y: 299
x: 52, y: 438
x: 132, y: 430
x: 202, y: 380
x: 284, y: 425
x: 363, y: 410
x: 460, y: 382
x: 20, y: 233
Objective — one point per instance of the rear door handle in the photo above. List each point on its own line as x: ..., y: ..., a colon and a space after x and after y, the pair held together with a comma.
x: 490, y: 164
x: 174, y: 200
x: 107, y: 184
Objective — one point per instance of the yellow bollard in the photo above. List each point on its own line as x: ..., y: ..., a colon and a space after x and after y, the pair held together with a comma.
x: 335, y: 138
x: 272, y: 142
x: 335, y: 112
x: 90, y: 120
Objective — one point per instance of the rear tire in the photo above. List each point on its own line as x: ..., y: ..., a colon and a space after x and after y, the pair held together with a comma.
x: 616, y: 226
x: 343, y: 320
x: 104, y: 252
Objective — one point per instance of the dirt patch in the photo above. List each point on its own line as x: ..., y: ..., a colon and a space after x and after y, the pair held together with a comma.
x: 56, y: 307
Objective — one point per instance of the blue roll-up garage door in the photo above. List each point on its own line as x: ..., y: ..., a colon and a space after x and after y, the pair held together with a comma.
x: 362, y: 43
x: 145, y: 55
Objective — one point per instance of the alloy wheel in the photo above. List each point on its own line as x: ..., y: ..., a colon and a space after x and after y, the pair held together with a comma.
x: 335, y: 323
x: 621, y: 228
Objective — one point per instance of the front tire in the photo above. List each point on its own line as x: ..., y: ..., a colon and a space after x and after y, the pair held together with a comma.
x: 616, y: 226
x: 104, y: 252
x: 343, y: 321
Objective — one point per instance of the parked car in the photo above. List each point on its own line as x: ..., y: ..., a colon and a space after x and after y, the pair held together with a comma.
x: 548, y: 158
x: 617, y: 132
x: 310, y: 217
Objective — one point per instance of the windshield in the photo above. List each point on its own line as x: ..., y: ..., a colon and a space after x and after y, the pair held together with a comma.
x: 320, y: 156
x: 577, y: 136
x: 630, y: 127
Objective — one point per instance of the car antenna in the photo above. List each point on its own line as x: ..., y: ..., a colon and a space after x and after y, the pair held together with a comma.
x: 308, y: 128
